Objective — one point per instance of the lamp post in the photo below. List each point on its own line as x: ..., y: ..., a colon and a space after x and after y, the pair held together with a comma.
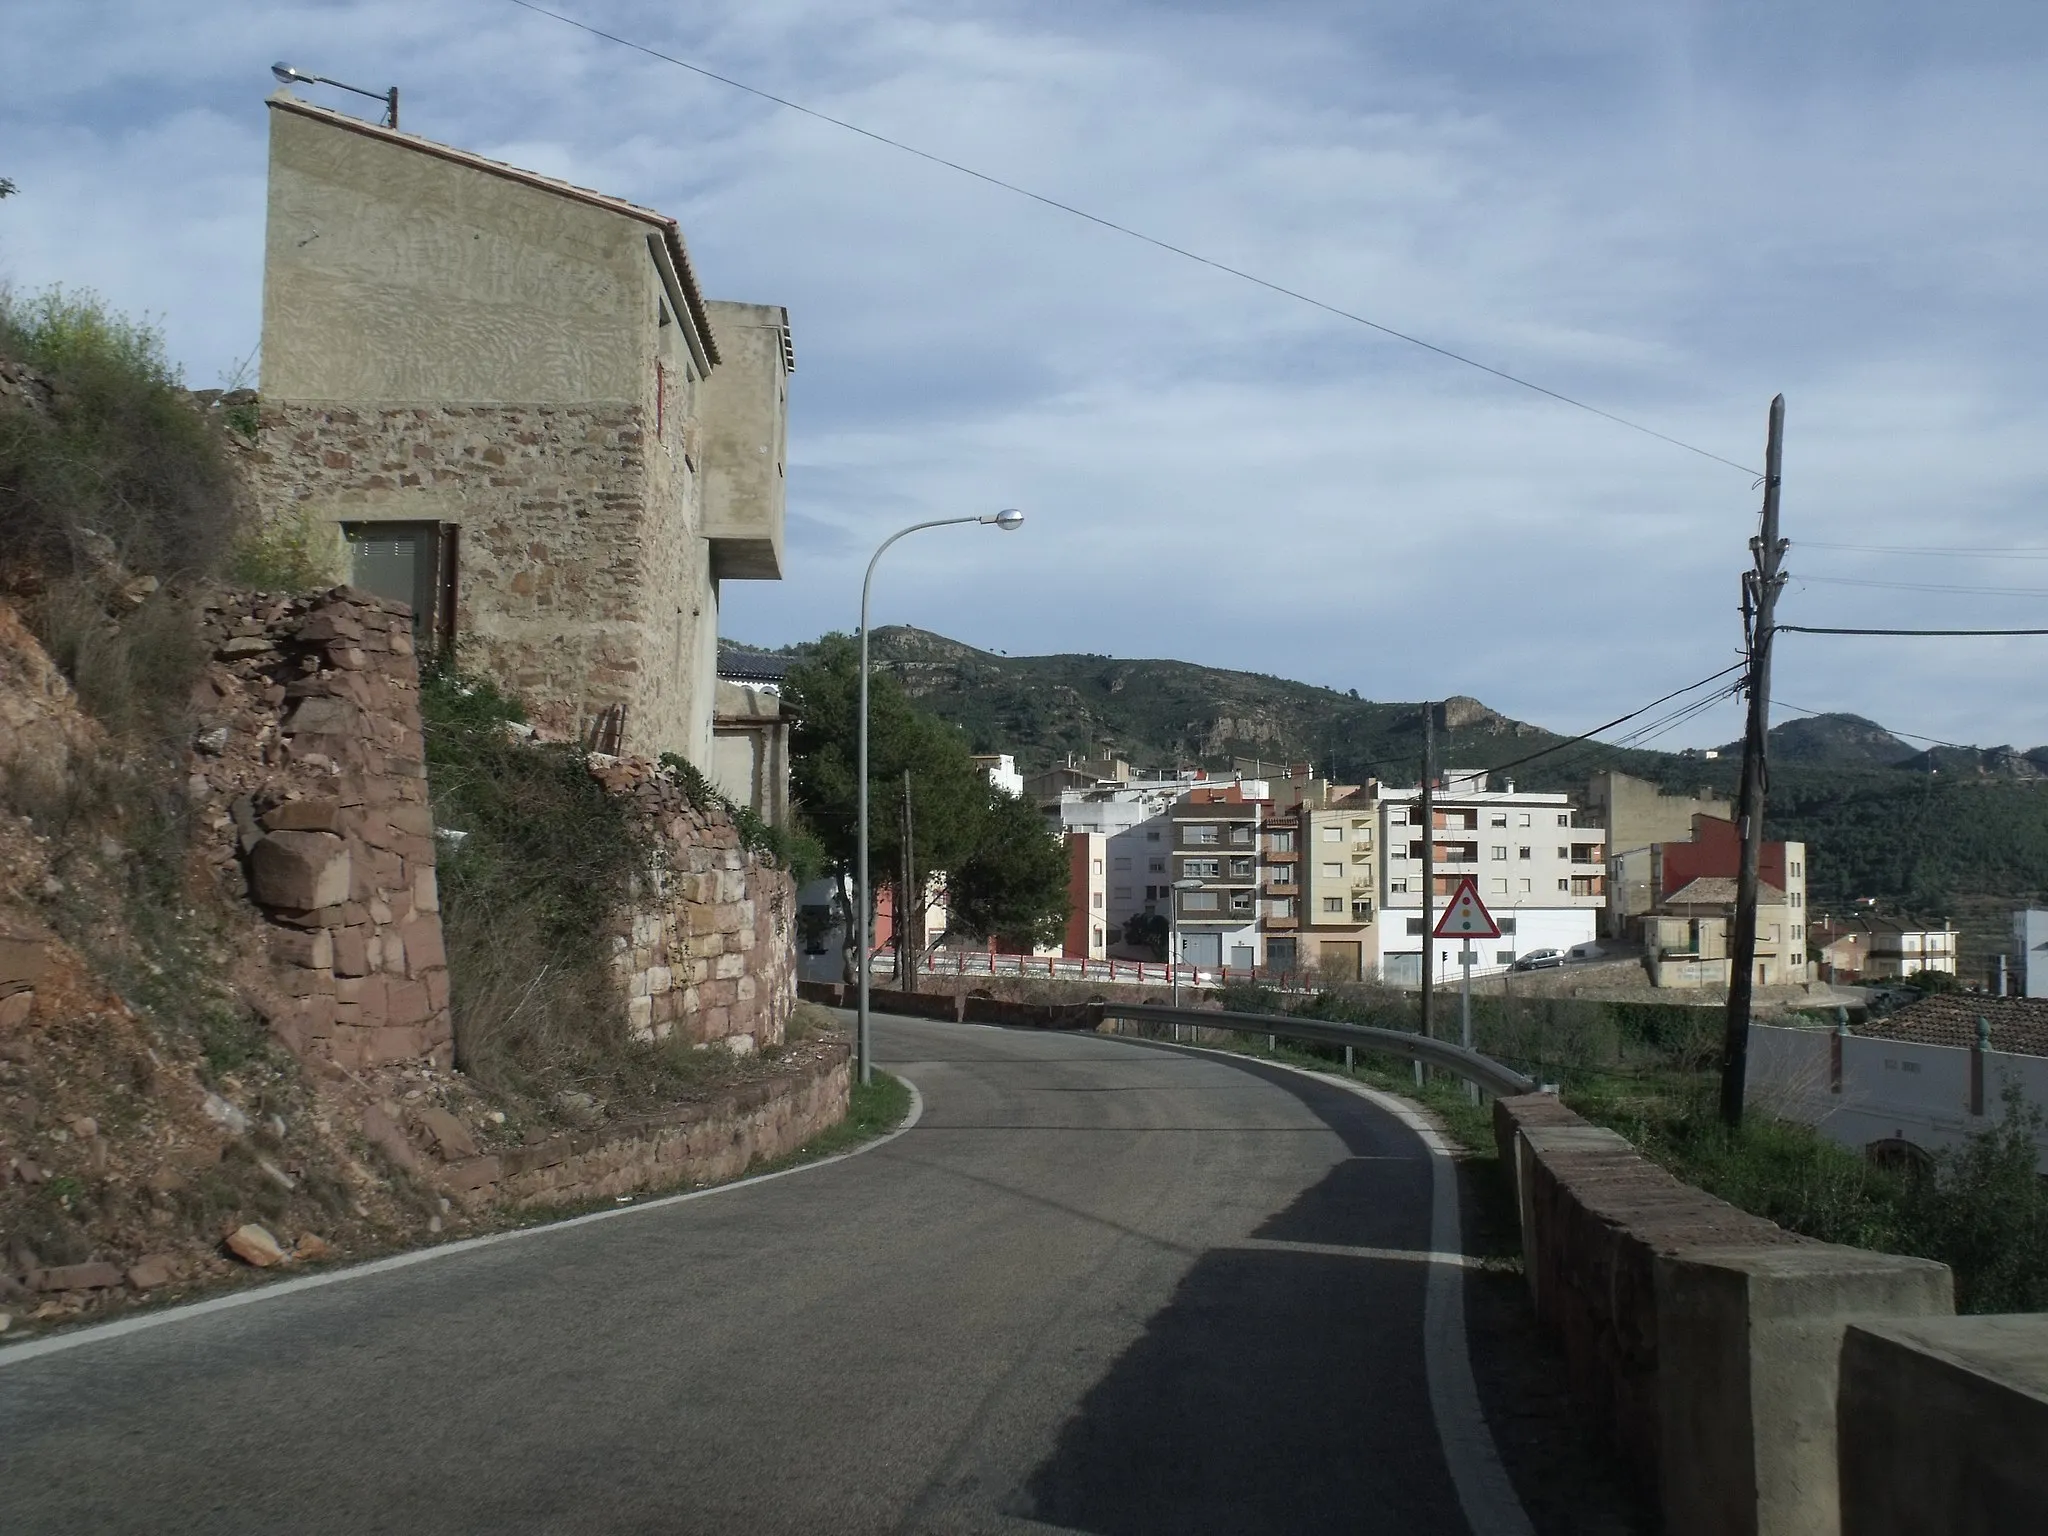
x: 1009, y: 520
x: 287, y: 75
x: 1173, y: 932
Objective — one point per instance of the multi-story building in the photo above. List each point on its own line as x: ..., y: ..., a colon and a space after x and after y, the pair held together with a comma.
x: 1540, y: 870
x: 1001, y: 769
x: 505, y: 401
x: 2030, y: 948
x: 1899, y: 948
x: 1638, y: 814
x: 1686, y: 933
x: 1215, y: 851
x: 1087, y: 934
x: 1338, y: 834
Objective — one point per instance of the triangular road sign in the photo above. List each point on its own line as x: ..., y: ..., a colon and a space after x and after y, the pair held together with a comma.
x: 1466, y: 917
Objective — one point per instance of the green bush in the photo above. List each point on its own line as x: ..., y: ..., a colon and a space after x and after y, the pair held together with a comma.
x: 793, y: 848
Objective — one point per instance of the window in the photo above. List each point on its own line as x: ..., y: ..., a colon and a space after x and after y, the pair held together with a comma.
x: 1333, y: 871
x: 1098, y: 866
x: 1123, y: 893
x: 1499, y: 850
x: 1361, y: 911
x: 1334, y: 904
x: 1151, y: 834
x: 1336, y: 835
x: 1361, y: 835
x: 1565, y: 819
x: 1527, y: 853
x: 1198, y: 901
x: 1414, y: 927
x: 1197, y: 834
x: 1507, y: 926
x: 1498, y: 887
x: 1240, y: 869
x: 1155, y: 866
x: 1564, y: 853
x: 1503, y: 957
x: 1240, y: 901
x: 1397, y: 817
x: 1398, y: 887
x: 1524, y: 819
x: 1798, y: 899
x: 1280, y: 906
x: 1241, y: 837
x: 1525, y: 887
x: 1095, y: 899
x: 1397, y: 852
x: 1498, y: 819
x: 1796, y: 867
x: 1798, y: 932
x: 1200, y: 869
x: 1121, y: 866
x: 1565, y: 886
x: 1283, y: 874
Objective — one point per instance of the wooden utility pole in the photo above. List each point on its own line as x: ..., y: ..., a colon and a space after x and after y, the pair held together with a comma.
x: 1428, y: 868
x: 908, y: 953
x: 1759, y: 609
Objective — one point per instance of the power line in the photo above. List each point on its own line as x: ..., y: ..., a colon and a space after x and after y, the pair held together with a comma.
x: 1818, y: 629
x: 2022, y: 552
x: 1934, y: 741
x: 1923, y: 586
x: 1619, y: 719
x: 1134, y: 234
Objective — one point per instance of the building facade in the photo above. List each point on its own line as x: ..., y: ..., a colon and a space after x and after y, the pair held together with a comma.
x: 1686, y: 934
x: 505, y: 401
x: 1637, y: 815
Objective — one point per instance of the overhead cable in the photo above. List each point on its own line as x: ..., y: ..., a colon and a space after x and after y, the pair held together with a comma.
x: 1134, y: 234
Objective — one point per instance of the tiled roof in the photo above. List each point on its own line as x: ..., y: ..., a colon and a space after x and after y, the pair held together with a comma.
x: 671, y: 233
x: 2019, y: 1025
x: 751, y: 666
x: 1715, y: 891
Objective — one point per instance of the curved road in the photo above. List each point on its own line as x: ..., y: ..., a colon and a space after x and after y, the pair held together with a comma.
x: 1101, y: 1286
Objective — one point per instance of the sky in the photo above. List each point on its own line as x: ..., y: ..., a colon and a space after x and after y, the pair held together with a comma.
x: 1667, y: 211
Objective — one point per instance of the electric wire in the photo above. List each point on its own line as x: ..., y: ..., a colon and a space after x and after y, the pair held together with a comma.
x: 1134, y: 234
x: 1920, y: 586
x: 1933, y: 741
x: 2019, y: 552
x: 1827, y: 629
x: 1620, y: 719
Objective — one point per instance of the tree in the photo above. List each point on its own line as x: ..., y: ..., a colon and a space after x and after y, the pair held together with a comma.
x: 949, y: 793
x: 1013, y: 886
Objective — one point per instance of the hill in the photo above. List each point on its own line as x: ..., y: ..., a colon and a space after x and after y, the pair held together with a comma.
x: 1950, y: 832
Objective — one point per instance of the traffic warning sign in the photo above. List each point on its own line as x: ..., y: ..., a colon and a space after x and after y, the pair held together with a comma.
x: 1466, y: 917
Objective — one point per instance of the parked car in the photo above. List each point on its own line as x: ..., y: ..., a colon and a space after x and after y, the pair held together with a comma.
x: 1538, y: 960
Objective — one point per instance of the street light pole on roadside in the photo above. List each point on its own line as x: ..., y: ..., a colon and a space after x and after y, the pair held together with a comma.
x: 1173, y: 931
x: 1009, y: 519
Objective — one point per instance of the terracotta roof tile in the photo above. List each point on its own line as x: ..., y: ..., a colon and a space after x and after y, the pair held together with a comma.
x: 2019, y: 1025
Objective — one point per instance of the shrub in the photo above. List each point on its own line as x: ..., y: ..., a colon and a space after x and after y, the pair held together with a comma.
x: 1983, y: 1210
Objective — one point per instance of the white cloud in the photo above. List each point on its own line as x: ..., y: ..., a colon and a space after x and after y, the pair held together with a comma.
x: 1635, y: 205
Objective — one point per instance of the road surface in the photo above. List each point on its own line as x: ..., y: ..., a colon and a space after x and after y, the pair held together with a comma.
x: 1101, y: 1286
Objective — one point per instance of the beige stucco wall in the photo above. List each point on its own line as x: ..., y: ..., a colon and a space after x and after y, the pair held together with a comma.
x: 391, y: 274
x: 745, y: 417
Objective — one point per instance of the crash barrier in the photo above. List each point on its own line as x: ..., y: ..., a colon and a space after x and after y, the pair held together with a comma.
x: 1710, y: 1340
x: 1489, y: 1075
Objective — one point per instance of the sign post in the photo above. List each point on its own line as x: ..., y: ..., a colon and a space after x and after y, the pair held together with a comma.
x: 1466, y: 919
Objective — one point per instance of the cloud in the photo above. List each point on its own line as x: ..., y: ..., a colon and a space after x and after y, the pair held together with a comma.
x: 1637, y: 206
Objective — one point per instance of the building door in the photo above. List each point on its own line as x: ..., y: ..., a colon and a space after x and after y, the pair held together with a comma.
x: 1341, y: 959
x: 1243, y: 957
x: 410, y: 563
x: 1202, y: 949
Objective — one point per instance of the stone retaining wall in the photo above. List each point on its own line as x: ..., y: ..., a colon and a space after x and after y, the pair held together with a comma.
x: 698, y: 1143
x: 308, y: 765
x: 1709, y: 1339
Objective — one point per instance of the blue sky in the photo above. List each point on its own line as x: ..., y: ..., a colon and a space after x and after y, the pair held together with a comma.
x: 1672, y: 211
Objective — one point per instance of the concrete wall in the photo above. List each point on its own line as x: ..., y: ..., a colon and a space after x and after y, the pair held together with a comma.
x: 745, y: 424
x: 1944, y: 1427
x: 1708, y: 1339
x: 750, y: 750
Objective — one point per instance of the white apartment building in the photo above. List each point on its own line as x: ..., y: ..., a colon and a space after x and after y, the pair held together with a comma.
x: 1135, y: 820
x: 1540, y: 872
x: 1001, y: 769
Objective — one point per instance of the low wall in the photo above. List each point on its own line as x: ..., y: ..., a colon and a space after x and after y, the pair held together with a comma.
x: 1709, y: 1339
x: 700, y: 1143
x: 958, y: 1008
x: 1944, y: 1426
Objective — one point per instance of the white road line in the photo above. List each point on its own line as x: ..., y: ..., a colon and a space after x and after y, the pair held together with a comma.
x: 36, y: 1349
x: 1485, y: 1493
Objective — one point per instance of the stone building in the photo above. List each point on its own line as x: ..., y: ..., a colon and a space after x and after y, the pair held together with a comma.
x: 504, y: 400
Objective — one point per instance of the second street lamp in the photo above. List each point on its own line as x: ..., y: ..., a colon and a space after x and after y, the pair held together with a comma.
x: 1009, y: 520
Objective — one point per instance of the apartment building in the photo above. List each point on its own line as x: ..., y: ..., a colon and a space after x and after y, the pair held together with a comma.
x: 1900, y: 948
x: 1638, y: 814
x: 1001, y: 769
x: 1215, y: 846
x: 1540, y: 869
x: 1087, y: 934
x: 1686, y: 934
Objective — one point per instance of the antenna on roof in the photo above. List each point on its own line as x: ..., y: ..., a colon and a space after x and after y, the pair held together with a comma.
x: 287, y: 75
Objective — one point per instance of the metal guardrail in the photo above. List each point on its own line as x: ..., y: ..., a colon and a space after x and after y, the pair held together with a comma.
x: 1491, y: 1076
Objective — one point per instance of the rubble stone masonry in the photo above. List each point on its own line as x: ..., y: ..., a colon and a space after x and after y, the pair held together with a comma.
x: 308, y: 767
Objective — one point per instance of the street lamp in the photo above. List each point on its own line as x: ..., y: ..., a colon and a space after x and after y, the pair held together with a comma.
x: 1009, y: 520
x: 1173, y: 932
x: 287, y: 76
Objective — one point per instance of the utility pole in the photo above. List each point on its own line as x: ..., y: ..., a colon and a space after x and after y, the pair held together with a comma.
x: 1428, y: 869
x: 1759, y: 609
x: 907, y: 953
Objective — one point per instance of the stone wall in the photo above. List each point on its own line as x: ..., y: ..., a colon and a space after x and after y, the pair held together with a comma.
x: 709, y: 954
x: 308, y: 766
x: 1709, y: 1339
x: 700, y: 1143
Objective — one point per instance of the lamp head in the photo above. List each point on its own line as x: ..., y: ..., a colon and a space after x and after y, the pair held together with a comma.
x: 285, y: 73
x: 1009, y: 519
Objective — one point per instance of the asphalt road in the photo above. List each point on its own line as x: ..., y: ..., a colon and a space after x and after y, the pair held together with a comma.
x: 1099, y: 1287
